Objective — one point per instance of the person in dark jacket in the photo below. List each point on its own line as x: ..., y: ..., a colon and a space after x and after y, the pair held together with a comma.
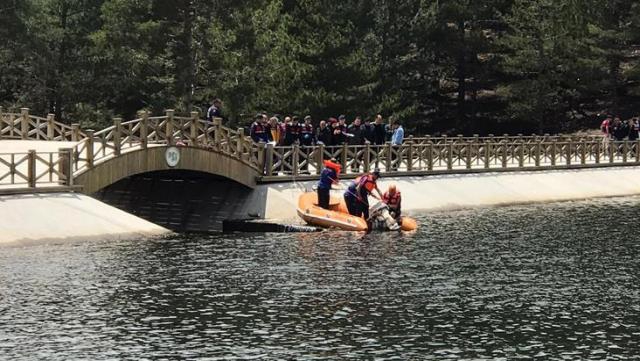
x: 357, y: 131
x: 307, y: 137
x: 328, y: 177
x: 323, y: 134
x: 215, y: 110
x: 368, y: 131
x: 291, y: 131
x: 379, y: 132
x: 259, y: 131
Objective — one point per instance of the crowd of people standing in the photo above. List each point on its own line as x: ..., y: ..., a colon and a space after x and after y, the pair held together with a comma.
x: 332, y: 132
x: 613, y: 128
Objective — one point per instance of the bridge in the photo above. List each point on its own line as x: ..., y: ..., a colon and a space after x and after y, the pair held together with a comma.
x: 187, y: 172
x: 42, y: 154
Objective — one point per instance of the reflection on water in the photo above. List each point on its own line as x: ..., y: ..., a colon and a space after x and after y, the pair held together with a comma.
x: 555, y: 281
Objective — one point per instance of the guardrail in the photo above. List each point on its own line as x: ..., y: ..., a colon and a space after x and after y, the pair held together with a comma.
x: 26, y: 126
x: 36, y: 169
x: 148, y: 131
x: 416, y: 156
x: 426, y: 157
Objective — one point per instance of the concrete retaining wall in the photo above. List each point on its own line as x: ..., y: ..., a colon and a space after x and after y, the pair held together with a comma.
x: 65, y: 217
x: 443, y: 192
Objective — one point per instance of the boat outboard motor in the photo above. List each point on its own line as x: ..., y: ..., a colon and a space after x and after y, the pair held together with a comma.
x: 380, y: 219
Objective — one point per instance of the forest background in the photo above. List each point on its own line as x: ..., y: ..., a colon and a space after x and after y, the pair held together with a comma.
x: 440, y: 66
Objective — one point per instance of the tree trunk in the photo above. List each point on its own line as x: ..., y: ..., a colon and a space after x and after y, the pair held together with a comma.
x: 461, y: 70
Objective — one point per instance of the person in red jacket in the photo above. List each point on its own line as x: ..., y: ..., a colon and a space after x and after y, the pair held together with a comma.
x: 393, y: 200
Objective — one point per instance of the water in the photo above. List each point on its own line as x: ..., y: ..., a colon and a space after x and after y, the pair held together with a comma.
x: 556, y: 281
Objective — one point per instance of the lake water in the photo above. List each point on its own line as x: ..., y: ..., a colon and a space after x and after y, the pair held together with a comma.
x: 555, y: 281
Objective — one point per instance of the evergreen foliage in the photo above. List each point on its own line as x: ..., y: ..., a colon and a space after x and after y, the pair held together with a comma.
x: 451, y: 66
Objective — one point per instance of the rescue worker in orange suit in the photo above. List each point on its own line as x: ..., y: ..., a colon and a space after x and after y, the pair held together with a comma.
x: 393, y: 200
x: 357, y: 195
x: 328, y: 177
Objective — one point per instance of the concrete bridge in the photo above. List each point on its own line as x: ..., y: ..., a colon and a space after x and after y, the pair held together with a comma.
x: 206, y: 160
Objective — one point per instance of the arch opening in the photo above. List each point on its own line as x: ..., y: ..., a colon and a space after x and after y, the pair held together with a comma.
x: 180, y: 200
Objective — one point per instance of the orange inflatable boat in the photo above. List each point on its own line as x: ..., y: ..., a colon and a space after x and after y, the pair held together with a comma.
x: 337, y: 216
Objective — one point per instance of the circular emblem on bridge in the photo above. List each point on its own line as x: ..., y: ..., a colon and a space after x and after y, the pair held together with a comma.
x: 172, y: 156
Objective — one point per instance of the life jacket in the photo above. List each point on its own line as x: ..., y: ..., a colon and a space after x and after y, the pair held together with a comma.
x: 258, y: 128
x: 393, y: 201
x: 293, y: 129
x: 306, y: 129
x: 368, y: 182
x: 331, y: 165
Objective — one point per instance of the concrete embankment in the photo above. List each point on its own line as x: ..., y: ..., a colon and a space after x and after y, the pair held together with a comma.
x: 67, y: 216
x: 448, y: 192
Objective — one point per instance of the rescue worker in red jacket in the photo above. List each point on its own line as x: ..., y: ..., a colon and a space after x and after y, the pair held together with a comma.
x: 393, y: 200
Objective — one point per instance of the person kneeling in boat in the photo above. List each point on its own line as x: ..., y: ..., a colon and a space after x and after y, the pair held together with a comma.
x: 328, y: 177
x: 357, y: 195
x: 393, y: 200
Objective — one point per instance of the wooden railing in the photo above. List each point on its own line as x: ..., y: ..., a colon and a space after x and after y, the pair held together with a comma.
x: 28, y: 127
x: 451, y: 156
x: 147, y: 131
x: 31, y: 169
x: 416, y: 156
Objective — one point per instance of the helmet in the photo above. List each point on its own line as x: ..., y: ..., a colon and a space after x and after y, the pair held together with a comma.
x: 376, y: 172
x: 392, y: 188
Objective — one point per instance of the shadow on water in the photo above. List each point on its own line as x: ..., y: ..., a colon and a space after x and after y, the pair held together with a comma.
x: 555, y: 281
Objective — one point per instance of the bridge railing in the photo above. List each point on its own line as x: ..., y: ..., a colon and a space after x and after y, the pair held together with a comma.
x: 428, y: 157
x: 29, y: 127
x: 169, y: 129
x: 35, y: 169
x: 534, y: 138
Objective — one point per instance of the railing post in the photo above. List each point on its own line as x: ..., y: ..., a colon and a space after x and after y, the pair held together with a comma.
x: 450, y: 155
x: 269, y: 160
x: 504, y: 154
x: 538, y: 152
x: 343, y: 159
x: 553, y: 151
x: 430, y: 155
x: 195, y: 118
x: 611, y: 152
x: 51, y: 130
x: 294, y: 160
x: 583, y: 152
x: 31, y: 168
x: 319, y: 158
x: 366, y: 161
x: 521, y: 152
x: 89, y: 133
x: 144, y: 129
x: 64, y: 166
x: 75, y: 132
x: 569, y: 152
x: 468, y: 155
x: 169, y: 126
x: 488, y: 145
x: 410, y: 154
x: 625, y: 151
x: 597, y: 151
x: 239, y: 142
x: 24, y: 123
x: 217, y: 134
x: 638, y: 151
x: 388, y: 164
x: 117, y: 133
